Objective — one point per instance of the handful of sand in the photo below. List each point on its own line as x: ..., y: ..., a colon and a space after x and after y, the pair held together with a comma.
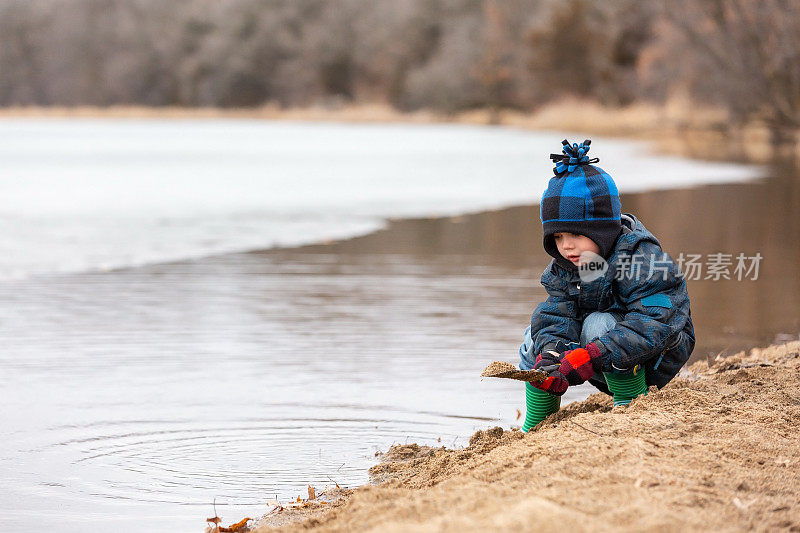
x: 502, y: 369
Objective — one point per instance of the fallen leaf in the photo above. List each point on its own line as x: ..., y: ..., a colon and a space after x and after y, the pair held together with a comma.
x: 519, y: 414
x: 235, y: 527
x: 312, y: 494
x: 215, y: 520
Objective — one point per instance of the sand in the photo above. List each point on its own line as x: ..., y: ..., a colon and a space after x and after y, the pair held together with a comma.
x: 716, y: 449
x: 503, y: 369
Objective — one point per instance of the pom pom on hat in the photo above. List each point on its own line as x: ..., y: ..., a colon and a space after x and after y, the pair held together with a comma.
x: 571, y: 156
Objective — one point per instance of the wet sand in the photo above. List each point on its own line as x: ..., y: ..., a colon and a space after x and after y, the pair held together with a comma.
x: 715, y: 450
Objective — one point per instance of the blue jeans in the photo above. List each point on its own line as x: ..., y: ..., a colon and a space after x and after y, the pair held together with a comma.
x: 595, y: 325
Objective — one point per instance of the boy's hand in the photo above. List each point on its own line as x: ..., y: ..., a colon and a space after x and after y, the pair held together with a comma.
x: 572, y: 368
x: 578, y: 365
x: 555, y: 382
x: 548, y: 361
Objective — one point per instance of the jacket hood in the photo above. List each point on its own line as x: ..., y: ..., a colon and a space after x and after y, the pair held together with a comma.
x: 633, y: 233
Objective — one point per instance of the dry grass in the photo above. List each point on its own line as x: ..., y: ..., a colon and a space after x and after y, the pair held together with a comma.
x: 678, y: 128
x: 333, y: 113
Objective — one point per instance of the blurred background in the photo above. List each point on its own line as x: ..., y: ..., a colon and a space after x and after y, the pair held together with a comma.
x: 248, y: 245
x: 443, y: 55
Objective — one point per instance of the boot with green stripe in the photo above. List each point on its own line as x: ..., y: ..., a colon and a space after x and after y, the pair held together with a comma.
x: 626, y: 387
x: 539, y: 405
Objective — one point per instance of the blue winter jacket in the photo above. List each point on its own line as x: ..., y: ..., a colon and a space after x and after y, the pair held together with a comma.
x: 656, y: 329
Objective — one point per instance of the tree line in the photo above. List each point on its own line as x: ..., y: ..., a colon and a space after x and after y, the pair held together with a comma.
x: 447, y: 55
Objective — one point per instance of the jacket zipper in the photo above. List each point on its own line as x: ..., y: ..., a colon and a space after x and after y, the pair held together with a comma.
x: 668, y: 348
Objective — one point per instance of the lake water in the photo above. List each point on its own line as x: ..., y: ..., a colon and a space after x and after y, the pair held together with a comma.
x: 150, y: 366
x: 79, y: 195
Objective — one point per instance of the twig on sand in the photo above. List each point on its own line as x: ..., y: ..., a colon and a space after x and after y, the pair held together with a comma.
x: 589, y: 430
x: 331, y: 479
x: 275, y: 510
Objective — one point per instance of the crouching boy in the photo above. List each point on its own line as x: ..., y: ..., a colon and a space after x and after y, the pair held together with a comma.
x: 617, y: 313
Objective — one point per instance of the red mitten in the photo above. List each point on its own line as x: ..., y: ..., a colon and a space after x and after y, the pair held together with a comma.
x: 578, y: 365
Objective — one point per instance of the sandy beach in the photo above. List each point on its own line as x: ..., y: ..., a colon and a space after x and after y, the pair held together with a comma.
x: 714, y: 450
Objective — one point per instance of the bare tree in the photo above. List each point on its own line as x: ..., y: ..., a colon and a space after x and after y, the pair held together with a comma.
x: 493, y: 69
x: 745, y: 54
x: 444, y: 54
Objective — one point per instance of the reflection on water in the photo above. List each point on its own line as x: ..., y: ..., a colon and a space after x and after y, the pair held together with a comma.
x: 729, y: 315
x: 143, y: 394
x: 750, y: 218
x: 147, y: 393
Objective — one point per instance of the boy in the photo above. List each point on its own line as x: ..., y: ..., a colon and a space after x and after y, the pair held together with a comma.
x: 617, y: 314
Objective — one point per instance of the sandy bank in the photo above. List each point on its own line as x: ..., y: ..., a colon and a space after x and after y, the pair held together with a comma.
x: 717, y: 449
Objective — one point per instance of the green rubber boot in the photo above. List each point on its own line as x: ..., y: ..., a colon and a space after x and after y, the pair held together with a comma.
x: 626, y: 387
x: 539, y: 405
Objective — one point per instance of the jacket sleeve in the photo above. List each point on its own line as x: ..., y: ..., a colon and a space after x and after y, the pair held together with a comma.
x: 657, y: 303
x: 555, y: 319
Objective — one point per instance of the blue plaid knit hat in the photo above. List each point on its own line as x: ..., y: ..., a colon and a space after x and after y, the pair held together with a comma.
x: 582, y: 199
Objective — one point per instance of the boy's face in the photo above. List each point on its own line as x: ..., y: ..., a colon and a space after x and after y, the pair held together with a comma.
x: 571, y: 245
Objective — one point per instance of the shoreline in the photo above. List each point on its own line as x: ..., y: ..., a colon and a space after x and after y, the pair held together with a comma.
x: 664, y: 462
x: 417, y: 455
x: 676, y: 128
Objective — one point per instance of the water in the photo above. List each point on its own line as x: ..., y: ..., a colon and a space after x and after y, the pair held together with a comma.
x: 137, y: 395
x: 77, y: 195
x: 148, y: 393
